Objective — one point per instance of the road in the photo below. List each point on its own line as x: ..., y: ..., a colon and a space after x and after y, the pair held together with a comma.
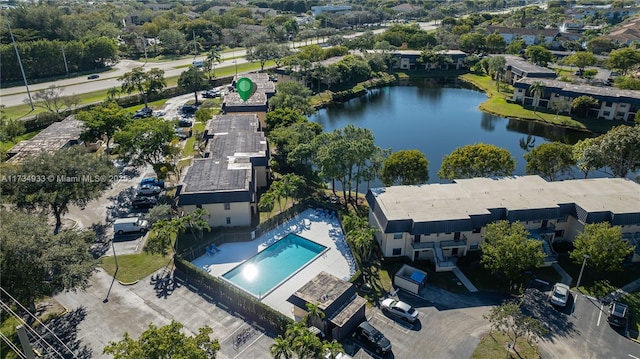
x: 15, y: 96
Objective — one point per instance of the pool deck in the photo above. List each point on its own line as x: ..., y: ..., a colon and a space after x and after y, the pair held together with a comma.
x: 325, y: 230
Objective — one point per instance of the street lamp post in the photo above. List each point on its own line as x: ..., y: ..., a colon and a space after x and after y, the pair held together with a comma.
x: 214, y: 70
x: 236, y: 62
x: 584, y: 261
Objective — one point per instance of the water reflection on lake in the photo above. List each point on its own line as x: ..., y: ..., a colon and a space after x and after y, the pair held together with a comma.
x: 436, y: 119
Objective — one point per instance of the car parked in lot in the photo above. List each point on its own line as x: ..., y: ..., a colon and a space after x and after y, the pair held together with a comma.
x: 559, y: 294
x: 399, y: 309
x: 618, y: 314
x: 185, y: 122
x: 143, y: 113
x: 189, y: 109
x: 152, y: 181
x: 373, y: 337
x: 211, y: 94
x: 143, y: 202
x: 148, y: 190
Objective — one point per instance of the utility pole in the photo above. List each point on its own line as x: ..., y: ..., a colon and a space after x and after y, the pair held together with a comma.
x: 64, y: 57
x: 24, y: 77
x: 27, y: 349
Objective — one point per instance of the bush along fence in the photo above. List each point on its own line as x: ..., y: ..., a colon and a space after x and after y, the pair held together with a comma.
x: 234, y: 299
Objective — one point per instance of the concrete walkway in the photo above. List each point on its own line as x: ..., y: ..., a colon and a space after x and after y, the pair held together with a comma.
x: 566, y: 278
x: 621, y: 292
x: 463, y: 278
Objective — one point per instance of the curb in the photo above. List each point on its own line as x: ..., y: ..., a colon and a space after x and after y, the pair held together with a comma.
x: 130, y: 283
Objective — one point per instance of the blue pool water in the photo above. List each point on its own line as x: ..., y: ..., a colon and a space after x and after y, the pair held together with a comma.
x: 264, y: 271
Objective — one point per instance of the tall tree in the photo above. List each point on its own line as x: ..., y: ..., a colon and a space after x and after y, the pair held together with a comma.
x: 51, y: 99
x: 168, y: 341
x: 550, y: 160
x: 478, y: 160
x: 212, y: 56
x: 620, y: 150
x: 192, y: 80
x: 604, y: 246
x: 560, y: 106
x: 509, y: 319
x: 103, y: 121
x: 582, y: 104
x: 581, y: 60
x: 145, y: 83
x: 536, y: 89
x: 68, y: 176
x: 624, y: 59
x: 149, y: 141
x: 408, y: 167
x: 292, y: 95
x: 586, y: 154
x: 496, y: 65
x: 507, y: 249
x: 36, y: 263
x: 539, y: 55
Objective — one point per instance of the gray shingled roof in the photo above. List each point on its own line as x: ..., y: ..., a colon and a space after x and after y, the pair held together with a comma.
x: 58, y: 135
x: 526, y: 67
x: 579, y: 89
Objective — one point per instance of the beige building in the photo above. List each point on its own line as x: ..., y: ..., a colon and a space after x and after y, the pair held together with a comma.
x: 613, y: 103
x: 235, y: 165
x: 440, y: 222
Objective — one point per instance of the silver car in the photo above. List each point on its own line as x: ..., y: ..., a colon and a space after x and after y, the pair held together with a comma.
x: 148, y: 190
x: 400, y: 309
x: 560, y: 294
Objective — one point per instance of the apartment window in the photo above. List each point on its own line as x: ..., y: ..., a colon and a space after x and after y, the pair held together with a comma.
x: 562, y: 219
x: 473, y: 247
x: 620, y: 114
x: 397, y: 251
x: 606, y: 113
x: 557, y: 95
x: 447, y: 232
x: 607, y: 104
x: 397, y: 236
x: 228, y: 220
x: 477, y: 230
x: 623, y: 105
x: 227, y: 206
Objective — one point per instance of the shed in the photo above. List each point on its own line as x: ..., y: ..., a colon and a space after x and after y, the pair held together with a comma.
x: 410, y: 279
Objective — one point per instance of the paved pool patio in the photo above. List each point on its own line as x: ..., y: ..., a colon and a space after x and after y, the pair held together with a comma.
x: 311, y: 224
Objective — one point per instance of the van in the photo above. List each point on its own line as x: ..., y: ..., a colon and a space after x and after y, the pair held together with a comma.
x: 130, y: 225
x: 198, y: 63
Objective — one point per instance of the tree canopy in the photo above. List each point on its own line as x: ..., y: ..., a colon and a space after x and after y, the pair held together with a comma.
x: 149, y: 141
x: 620, y: 149
x: 408, y: 167
x: 604, y: 246
x: 165, y: 342
x: 145, y: 83
x: 581, y: 59
x: 292, y: 95
x: 508, y: 249
x: 624, y: 59
x: 34, y: 262
x: 550, y: 160
x: 539, y: 55
x: 478, y: 160
x: 192, y: 80
x: 68, y: 176
x: 104, y: 120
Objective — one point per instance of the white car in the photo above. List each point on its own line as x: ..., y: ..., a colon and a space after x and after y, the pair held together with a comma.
x: 148, y: 190
x: 559, y: 294
x: 399, y: 309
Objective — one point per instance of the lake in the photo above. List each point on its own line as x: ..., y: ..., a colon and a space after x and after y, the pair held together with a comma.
x: 436, y: 119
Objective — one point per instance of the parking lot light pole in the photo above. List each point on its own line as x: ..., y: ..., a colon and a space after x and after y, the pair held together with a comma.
x: 584, y: 261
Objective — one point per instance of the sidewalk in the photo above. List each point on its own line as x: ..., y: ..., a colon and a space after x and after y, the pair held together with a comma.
x: 621, y: 292
x: 566, y: 278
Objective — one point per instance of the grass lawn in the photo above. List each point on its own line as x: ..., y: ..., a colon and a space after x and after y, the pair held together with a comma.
x: 497, y: 104
x: 494, y: 345
x: 134, y: 267
x: 633, y: 301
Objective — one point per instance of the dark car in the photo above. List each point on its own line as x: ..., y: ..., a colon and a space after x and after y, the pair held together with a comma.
x: 143, y: 113
x: 92, y: 77
x: 143, y: 202
x: 152, y: 181
x: 373, y: 337
x: 210, y: 94
x: 618, y: 314
x: 189, y: 109
x: 183, y: 122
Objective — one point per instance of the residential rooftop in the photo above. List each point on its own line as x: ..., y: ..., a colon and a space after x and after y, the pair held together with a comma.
x: 578, y: 89
x: 525, y: 66
x: 58, y: 135
x: 323, y: 289
x: 475, y: 196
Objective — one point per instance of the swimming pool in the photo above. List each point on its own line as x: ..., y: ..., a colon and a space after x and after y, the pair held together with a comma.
x: 262, y: 273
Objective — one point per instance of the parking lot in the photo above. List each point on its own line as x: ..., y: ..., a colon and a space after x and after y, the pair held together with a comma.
x: 580, y: 330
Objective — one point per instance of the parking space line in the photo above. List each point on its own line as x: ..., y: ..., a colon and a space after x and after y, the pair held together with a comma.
x: 600, y: 314
x: 394, y: 323
x: 633, y: 356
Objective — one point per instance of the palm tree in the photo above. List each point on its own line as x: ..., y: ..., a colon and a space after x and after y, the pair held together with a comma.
x: 272, y: 30
x: 196, y: 223
x: 313, y: 312
x: 332, y: 348
x: 281, y: 348
x: 537, y: 90
x: 212, y: 56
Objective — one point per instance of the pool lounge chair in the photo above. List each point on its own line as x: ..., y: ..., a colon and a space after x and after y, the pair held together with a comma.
x: 209, y: 251
x: 214, y: 247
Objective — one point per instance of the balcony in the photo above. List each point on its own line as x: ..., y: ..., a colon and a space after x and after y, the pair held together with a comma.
x: 422, y: 245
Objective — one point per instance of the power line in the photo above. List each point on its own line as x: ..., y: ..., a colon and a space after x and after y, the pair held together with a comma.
x: 39, y: 322
x: 12, y: 346
x: 6, y: 307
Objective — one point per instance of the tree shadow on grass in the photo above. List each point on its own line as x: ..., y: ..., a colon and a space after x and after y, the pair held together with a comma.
x: 63, y: 336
